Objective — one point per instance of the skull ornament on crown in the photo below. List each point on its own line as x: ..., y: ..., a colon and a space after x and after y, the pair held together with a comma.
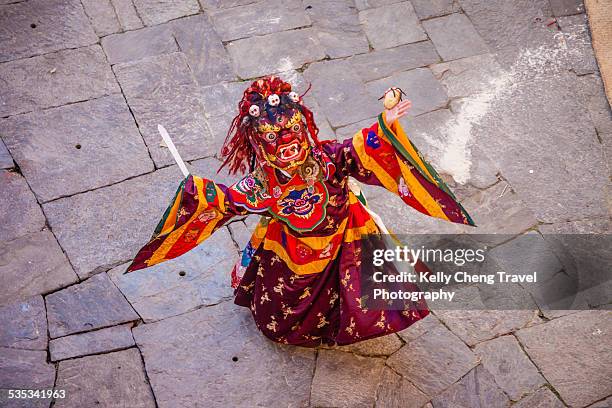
x: 272, y: 128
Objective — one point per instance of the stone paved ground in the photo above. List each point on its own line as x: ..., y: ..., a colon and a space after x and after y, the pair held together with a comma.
x: 508, y: 104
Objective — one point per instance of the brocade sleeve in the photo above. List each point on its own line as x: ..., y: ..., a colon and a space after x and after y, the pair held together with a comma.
x: 383, y: 155
x: 198, y: 209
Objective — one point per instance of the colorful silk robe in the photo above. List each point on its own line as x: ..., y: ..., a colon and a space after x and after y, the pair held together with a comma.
x: 299, y: 274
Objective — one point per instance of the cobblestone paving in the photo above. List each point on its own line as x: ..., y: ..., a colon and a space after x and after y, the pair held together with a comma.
x: 508, y: 104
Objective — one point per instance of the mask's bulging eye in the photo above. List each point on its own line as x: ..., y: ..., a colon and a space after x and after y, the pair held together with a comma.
x: 296, y: 128
x: 270, y: 136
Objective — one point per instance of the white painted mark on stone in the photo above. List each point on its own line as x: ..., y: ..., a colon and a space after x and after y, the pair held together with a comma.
x: 456, y: 153
x: 287, y: 70
x: 531, y: 63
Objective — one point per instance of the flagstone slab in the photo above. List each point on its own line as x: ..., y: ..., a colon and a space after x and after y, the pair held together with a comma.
x: 434, y: 360
x: 198, y: 278
x: 24, y: 325
x: 421, y: 327
x: 55, y: 79
x: 127, y: 15
x: 504, y: 358
x: 25, y: 369
x: 376, y: 347
x: 162, y: 90
x: 138, y: 44
x: 241, y: 233
x: 593, y: 94
x: 345, y: 380
x: 567, y: 7
x: 425, y: 91
x: 42, y: 26
x: 123, y: 215
x: 382, y: 63
x: 392, y: 25
x: 154, y: 12
x: 543, y: 398
x: 477, y: 389
x: 506, y: 24
x: 543, y: 114
x: 94, y: 342
x: 75, y: 148
x: 338, y: 27
x: 432, y: 133
x: 222, y: 98
x: 214, y: 4
x: 557, y: 285
x: 573, y: 355
x: 207, y: 57
x: 601, y: 404
x: 102, y: 15
x: 455, y: 37
x: 6, y: 160
x: 33, y: 264
x: 194, y: 359
x: 259, y: 19
x: 426, y: 9
x: 19, y: 210
x: 397, y: 392
x: 472, y: 77
x: 366, y: 4
x: 194, y: 36
x: 89, y: 305
x: 253, y: 57
x: 113, y: 379
x: 580, y: 50
x: 498, y: 210
x: 340, y: 92
x: 475, y: 326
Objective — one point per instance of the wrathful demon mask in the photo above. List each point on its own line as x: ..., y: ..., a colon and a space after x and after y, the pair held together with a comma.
x: 272, y: 128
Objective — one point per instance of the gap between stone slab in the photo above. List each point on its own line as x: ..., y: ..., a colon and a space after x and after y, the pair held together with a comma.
x: 133, y: 322
x: 99, y: 353
x: 509, y: 333
x: 126, y: 299
x: 402, y: 377
x: 97, y: 329
x: 299, y: 69
x: 49, y: 53
x: 314, y: 370
x: 233, y: 238
x: 60, y: 106
x: 222, y: 300
x: 594, y: 403
x: 130, y: 108
x: 443, y: 323
x: 47, y: 226
x: 144, y: 368
x: 226, y: 42
x: 56, y: 365
x: 547, y: 384
x: 104, y: 186
x: 460, y: 11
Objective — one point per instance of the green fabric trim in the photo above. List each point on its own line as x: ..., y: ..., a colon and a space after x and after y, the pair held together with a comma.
x: 398, y: 146
x: 179, y: 190
x: 437, y: 179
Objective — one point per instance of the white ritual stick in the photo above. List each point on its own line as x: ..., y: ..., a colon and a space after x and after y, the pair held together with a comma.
x: 177, y: 157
